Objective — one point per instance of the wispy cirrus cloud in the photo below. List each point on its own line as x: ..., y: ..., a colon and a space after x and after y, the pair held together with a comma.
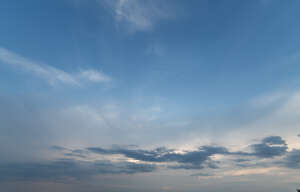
x: 140, y: 15
x: 94, y: 76
x: 51, y: 74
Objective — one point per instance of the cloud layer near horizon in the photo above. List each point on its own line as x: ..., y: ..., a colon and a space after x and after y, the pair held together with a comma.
x: 82, y: 163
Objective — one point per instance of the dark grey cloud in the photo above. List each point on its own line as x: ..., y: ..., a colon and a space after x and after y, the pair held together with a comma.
x: 274, y: 140
x: 67, y: 168
x: 188, y: 160
x: 292, y: 160
x: 202, y: 154
x: 270, y: 147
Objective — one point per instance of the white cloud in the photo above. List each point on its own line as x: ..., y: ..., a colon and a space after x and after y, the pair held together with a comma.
x: 95, y: 76
x: 49, y: 73
x: 139, y: 15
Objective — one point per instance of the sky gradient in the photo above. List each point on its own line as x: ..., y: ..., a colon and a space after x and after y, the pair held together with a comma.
x: 149, y: 95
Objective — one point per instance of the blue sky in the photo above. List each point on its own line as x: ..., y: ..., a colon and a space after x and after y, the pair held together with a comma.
x: 149, y: 95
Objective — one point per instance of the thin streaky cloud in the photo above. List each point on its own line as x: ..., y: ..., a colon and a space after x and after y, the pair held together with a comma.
x: 138, y: 15
x: 94, y: 76
x: 45, y: 71
x: 49, y: 73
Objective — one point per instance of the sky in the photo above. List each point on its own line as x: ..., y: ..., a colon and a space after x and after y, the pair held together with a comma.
x: 149, y: 95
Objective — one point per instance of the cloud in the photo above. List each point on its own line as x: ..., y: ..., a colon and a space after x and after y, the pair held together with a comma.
x: 270, y: 147
x: 292, y: 159
x: 139, y: 15
x: 49, y: 73
x: 145, y: 161
x: 94, y: 76
x: 273, y: 140
x: 156, y: 155
x: 163, y: 155
x: 67, y: 168
x: 188, y: 160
